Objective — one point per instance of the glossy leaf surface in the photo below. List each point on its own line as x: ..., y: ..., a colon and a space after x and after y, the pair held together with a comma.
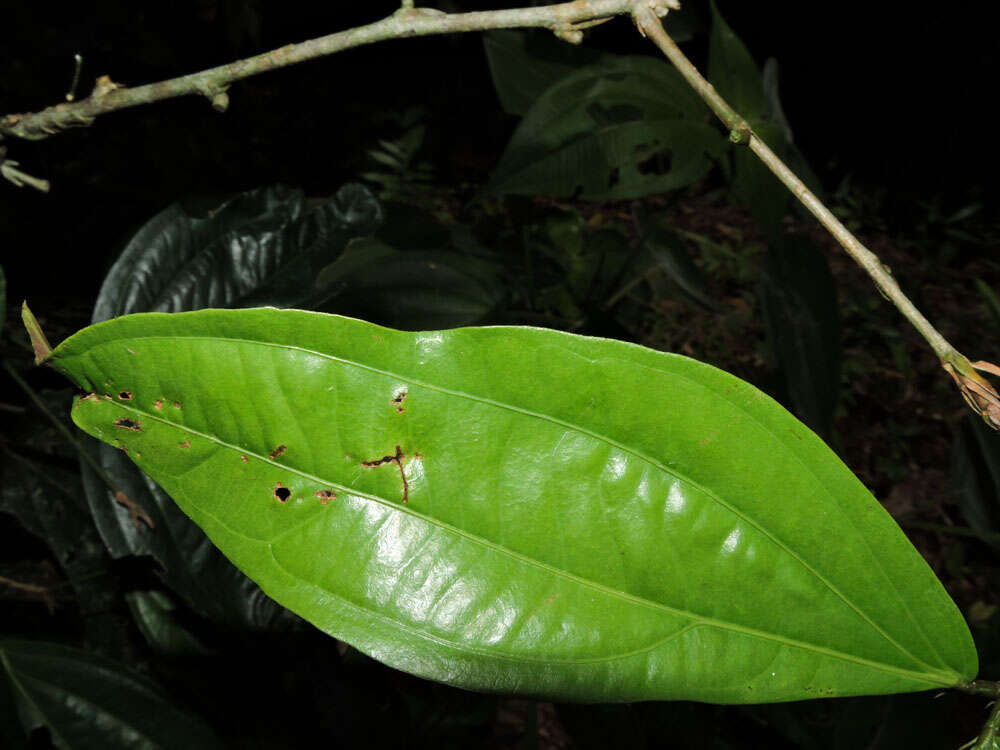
x: 262, y: 246
x: 87, y: 701
x: 624, y: 128
x: 523, y: 510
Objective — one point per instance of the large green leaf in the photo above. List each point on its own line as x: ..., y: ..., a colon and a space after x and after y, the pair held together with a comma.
x: 624, y: 128
x: 86, y: 701
x: 523, y: 510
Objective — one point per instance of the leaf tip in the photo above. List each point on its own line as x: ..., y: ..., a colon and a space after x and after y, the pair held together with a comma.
x: 41, y: 345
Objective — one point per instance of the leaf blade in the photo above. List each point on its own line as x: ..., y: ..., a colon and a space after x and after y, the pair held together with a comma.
x: 549, y: 540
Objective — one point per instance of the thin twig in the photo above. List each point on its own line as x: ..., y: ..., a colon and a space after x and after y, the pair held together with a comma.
x: 976, y: 390
x: 406, y: 22
x: 30, y: 588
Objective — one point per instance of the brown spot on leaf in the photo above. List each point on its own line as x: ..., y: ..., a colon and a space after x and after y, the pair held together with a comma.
x: 281, y: 493
x: 244, y: 459
x: 158, y: 404
x: 395, y: 459
x: 397, y: 400
x: 278, y: 451
x: 128, y: 424
x: 125, y: 395
x: 326, y: 496
x: 130, y: 351
x: 185, y: 444
x: 177, y: 404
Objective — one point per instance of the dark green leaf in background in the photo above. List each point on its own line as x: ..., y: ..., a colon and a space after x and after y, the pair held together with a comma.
x: 776, y: 112
x: 990, y: 299
x: 755, y: 97
x: 13, y: 736
x: 733, y: 72
x: 88, y: 702
x: 154, y: 614
x: 523, y: 510
x: 525, y: 63
x: 624, y: 128
x: 39, y: 488
x: 895, y: 722
x: 755, y: 186
x: 802, y: 320
x: 263, y: 246
x: 414, y: 274
x: 975, y: 469
x: 671, y: 256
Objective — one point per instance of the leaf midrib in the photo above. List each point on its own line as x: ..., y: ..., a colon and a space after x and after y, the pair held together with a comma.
x: 577, y: 428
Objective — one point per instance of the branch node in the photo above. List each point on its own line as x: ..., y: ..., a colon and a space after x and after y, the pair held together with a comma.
x: 662, y: 7
x: 740, y: 135
x: 104, y: 86
x: 408, y: 11
x: 9, y: 170
x: 220, y: 102
x: 977, y: 391
x: 568, y: 33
